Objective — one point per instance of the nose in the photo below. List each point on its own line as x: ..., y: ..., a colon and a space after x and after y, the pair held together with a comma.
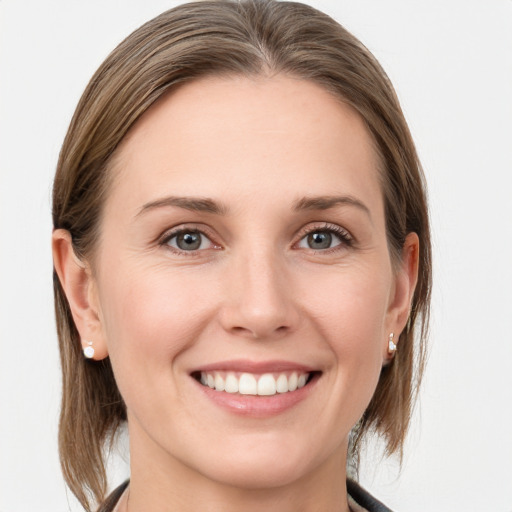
x: 259, y: 301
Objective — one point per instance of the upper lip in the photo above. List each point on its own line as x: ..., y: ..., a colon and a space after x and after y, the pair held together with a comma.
x: 246, y: 366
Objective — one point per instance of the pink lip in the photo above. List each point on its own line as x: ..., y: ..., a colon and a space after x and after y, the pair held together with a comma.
x: 241, y: 365
x: 257, y: 406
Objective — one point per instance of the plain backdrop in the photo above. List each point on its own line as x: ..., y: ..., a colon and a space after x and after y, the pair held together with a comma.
x: 451, y: 64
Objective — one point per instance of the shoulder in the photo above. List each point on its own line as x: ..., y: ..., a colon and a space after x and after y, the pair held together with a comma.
x: 364, y: 499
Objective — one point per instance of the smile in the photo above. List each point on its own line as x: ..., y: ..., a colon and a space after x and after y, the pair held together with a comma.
x: 266, y: 384
x: 256, y: 389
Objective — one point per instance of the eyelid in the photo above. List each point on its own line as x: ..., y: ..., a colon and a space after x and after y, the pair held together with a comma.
x: 204, y: 230
x: 345, y: 235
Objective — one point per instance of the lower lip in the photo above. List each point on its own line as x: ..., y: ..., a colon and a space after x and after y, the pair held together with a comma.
x: 258, y: 406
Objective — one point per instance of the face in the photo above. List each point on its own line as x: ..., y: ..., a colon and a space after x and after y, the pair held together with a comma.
x: 243, y: 283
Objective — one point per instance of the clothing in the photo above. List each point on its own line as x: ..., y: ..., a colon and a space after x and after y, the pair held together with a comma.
x: 364, y: 499
x: 359, y: 499
x: 109, y: 504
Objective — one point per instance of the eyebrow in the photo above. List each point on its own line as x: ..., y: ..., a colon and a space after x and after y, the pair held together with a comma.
x: 327, y: 202
x: 197, y: 204
x: 207, y: 205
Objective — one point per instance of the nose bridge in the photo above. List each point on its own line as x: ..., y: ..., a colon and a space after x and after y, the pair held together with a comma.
x: 260, y: 303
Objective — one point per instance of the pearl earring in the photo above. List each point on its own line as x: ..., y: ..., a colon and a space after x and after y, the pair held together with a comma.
x: 89, y: 350
x: 391, y: 345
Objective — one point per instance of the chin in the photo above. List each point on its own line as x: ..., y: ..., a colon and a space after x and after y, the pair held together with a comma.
x: 264, y: 463
x: 259, y: 473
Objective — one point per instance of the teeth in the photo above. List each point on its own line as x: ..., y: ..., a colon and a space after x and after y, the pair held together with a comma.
x: 249, y: 384
x: 267, y: 385
x: 292, y: 382
x: 231, y: 383
x: 219, y: 383
x: 282, y: 384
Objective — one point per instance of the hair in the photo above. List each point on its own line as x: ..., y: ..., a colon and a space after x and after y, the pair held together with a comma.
x: 227, y: 37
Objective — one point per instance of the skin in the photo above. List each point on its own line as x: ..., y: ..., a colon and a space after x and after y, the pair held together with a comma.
x: 255, y: 290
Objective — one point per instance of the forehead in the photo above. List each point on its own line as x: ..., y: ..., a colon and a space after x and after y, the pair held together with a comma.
x: 246, y: 135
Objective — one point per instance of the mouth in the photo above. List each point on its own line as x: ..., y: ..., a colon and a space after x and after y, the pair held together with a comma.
x: 256, y: 389
x: 256, y: 384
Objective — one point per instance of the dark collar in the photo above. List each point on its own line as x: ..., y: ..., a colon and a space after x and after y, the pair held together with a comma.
x: 364, y: 498
x: 358, y: 494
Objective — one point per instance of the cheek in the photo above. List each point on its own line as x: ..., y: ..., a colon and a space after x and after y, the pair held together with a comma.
x: 151, y: 316
x: 349, y: 311
x: 350, y: 307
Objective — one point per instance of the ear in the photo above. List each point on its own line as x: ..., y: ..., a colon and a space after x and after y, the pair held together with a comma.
x: 406, y: 278
x: 80, y: 288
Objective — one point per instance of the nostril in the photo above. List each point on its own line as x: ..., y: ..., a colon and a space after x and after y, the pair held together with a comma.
x: 259, y: 333
x: 254, y: 321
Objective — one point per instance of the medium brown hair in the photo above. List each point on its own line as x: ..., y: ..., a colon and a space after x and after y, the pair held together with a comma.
x: 248, y: 37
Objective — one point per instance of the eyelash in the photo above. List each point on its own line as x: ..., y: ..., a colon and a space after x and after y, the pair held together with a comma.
x: 169, y: 235
x: 345, y: 237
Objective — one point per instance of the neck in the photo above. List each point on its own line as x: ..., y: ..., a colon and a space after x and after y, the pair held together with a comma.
x: 161, y: 482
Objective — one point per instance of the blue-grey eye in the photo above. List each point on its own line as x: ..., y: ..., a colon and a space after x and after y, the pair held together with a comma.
x: 320, y: 240
x: 189, y: 241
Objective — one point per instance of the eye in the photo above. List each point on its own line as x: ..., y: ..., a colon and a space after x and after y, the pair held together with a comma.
x: 188, y: 240
x: 321, y: 239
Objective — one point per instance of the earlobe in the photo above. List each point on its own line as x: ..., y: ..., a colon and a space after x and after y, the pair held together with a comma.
x: 78, y: 284
x: 405, y: 284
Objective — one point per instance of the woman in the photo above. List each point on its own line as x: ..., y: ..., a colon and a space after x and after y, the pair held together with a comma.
x: 242, y: 256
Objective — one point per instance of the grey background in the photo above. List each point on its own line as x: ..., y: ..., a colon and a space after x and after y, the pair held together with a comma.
x: 451, y: 65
